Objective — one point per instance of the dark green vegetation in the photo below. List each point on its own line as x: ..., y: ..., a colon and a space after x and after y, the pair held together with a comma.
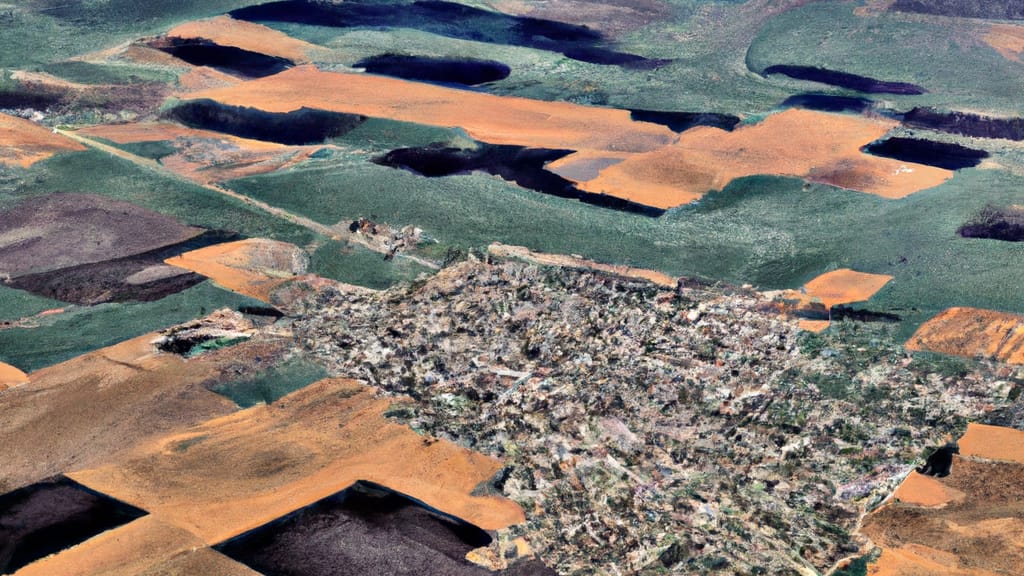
x: 15, y: 304
x: 273, y: 383
x: 302, y: 126
x: 1005, y: 224
x: 357, y: 265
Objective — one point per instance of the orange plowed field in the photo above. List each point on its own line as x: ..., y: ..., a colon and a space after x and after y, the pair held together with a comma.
x: 237, y: 472
x: 1007, y: 39
x: 973, y: 332
x: 11, y: 376
x: 145, y: 546
x: 227, y: 31
x: 493, y: 119
x: 23, y: 143
x: 253, y: 267
x: 845, y: 286
x: 970, y: 523
x: 818, y: 146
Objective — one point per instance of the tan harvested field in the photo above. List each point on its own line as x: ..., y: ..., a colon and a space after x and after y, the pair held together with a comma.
x: 11, y: 376
x: 1007, y: 39
x: 993, y: 443
x: 818, y: 146
x: 546, y: 259
x: 157, y: 131
x: 489, y: 118
x: 970, y: 523
x: 253, y: 267
x: 973, y: 332
x: 845, y: 286
x: 23, y: 143
x: 926, y: 491
x: 226, y: 31
x: 237, y: 472
x: 105, y: 401
x: 144, y: 547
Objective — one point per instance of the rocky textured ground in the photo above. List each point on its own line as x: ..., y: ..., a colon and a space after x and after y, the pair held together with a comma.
x: 653, y: 430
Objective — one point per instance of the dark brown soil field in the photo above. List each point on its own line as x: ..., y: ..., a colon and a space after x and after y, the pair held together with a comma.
x: 56, y: 231
x: 46, y: 517
x: 361, y: 530
x: 980, y: 533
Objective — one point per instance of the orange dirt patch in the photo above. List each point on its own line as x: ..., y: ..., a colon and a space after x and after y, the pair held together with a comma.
x: 24, y: 143
x: 1007, y: 39
x: 993, y: 443
x: 489, y: 118
x: 105, y: 402
x: 917, y: 560
x: 927, y: 491
x: 818, y: 146
x: 11, y: 376
x: 845, y: 286
x: 253, y: 267
x: 204, y: 78
x: 522, y: 253
x: 227, y: 31
x: 240, y: 471
x: 980, y: 532
x: 144, y: 546
x: 973, y: 332
x: 813, y: 325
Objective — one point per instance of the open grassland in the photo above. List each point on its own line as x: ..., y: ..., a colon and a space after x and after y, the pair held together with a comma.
x: 947, y: 57
x: 50, y: 31
x: 99, y: 173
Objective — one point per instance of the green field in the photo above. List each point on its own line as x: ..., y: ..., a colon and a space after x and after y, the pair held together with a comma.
x: 63, y: 336
x: 273, y: 383
x: 772, y: 232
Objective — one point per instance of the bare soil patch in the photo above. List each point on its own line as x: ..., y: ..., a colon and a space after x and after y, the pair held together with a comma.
x: 23, y: 143
x: 55, y: 231
x: 11, y: 376
x: 973, y: 332
x: 981, y: 533
x: 1007, y: 39
x: 818, y: 146
x: 111, y: 399
x: 253, y: 267
x: 226, y: 31
x: 489, y: 118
